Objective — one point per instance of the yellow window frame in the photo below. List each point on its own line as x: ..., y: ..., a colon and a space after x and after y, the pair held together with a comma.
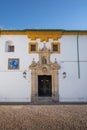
x: 29, y: 47
x: 58, y: 46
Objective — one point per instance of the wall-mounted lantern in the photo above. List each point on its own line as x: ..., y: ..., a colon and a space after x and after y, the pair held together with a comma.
x: 24, y: 74
x: 64, y: 75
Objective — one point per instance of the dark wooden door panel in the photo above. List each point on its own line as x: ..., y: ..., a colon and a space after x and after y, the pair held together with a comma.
x: 44, y: 86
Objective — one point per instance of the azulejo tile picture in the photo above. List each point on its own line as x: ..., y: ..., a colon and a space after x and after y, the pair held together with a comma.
x: 13, y: 63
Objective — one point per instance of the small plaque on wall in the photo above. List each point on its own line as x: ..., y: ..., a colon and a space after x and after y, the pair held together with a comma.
x: 13, y: 63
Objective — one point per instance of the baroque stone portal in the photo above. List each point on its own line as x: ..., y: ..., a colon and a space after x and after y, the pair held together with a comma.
x: 44, y: 77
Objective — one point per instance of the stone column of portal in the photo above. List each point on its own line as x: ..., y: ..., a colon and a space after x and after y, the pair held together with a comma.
x: 33, y: 87
x: 55, y: 87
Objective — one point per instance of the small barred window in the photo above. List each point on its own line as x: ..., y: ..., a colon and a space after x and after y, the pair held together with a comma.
x: 33, y: 47
x: 55, y: 47
x: 9, y: 46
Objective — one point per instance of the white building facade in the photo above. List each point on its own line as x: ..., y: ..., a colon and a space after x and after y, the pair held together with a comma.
x: 38, y: 64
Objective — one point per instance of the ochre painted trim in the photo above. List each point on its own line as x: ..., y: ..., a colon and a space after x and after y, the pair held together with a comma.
x: 12, y: 33
x: 29, y: 47
x: 33, y: 35
x: 58, y: 45
x: 43, y: 35
x: 75, y: 33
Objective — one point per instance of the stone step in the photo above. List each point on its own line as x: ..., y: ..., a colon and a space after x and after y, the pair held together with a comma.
x: 45, y: 98
x: 45, y: 101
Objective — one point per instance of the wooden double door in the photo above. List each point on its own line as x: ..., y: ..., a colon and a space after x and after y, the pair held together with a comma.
x: 44, y: 85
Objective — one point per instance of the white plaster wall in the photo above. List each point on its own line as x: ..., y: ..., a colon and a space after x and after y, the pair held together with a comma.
x: 82, y: 40
x: 73, y: 88
x: 68, y: 48
x: 15, y: 88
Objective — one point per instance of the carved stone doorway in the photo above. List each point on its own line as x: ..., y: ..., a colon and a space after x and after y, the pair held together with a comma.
x: 44, y: 77
x: 44, y: 86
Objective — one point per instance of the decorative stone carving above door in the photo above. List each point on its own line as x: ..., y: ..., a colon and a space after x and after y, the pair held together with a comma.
x: 44, y: 68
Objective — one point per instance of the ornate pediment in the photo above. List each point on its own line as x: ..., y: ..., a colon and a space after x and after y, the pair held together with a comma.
x: 44, y: 65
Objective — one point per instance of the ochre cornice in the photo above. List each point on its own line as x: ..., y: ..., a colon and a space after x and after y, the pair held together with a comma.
x: 12, y: 33
x: 33, y: 35
x: 75, y: 33
x: 43, y: 35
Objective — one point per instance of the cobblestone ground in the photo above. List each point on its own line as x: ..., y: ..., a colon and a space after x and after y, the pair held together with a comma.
x: 43, y: 117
